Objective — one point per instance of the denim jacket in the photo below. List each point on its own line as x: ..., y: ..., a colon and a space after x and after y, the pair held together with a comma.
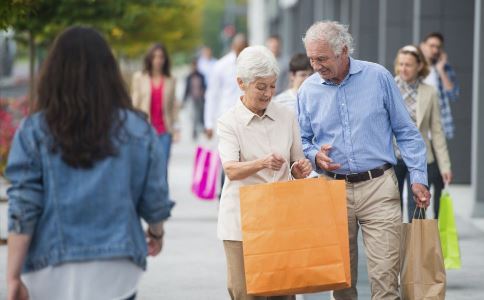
x: 76, y: 214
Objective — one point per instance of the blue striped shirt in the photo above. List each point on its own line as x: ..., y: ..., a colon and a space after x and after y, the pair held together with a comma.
x: 359, y: 118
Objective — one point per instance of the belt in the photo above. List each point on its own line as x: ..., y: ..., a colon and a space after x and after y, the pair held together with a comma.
x: 359, y: 177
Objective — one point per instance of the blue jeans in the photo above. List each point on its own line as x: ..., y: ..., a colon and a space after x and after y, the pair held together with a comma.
x: 165, y: 141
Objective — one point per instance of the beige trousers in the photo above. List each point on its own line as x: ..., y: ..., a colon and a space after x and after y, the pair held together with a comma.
x: 236, y: 274
x: 375, y: 206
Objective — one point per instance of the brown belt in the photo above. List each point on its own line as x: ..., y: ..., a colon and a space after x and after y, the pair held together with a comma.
x: 359, y: 177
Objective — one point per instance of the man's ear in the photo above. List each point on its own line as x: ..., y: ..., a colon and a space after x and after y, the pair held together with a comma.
x: 344, y: 51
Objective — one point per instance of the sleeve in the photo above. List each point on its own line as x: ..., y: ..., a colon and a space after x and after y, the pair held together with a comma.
x: 409, y: 140
x: 135, y: 90
x: 228, y: 144
x: 438, y: 137
x: 24, y: 171
x: 454, y: 93
x: 175, y: 106
x: 296, y: 147
x: 154, y: 205
x: 211, y: 105
x: 307, y: 135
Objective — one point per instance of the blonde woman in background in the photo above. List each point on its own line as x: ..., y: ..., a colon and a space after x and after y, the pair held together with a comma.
x: 421, y: 102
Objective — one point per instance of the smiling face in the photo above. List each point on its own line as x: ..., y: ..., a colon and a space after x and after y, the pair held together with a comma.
x: 258, y: 93
x: 408, y: 67
x: 330, y: 66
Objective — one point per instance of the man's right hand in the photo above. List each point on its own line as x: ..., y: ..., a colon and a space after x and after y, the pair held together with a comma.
x: 209, y: 133
x: 323, y: 161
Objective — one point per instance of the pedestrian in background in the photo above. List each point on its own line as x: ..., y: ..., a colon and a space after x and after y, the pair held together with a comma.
x: 274, y: 43
x: 84, y: 168
x: 206, y: 62
x: 259, y: 142
x: 349, y: 112
x: 195, y: 87
x: 299, y: 70
x: 443, y: 78
x: 153, y: 92
x: 422, y: 103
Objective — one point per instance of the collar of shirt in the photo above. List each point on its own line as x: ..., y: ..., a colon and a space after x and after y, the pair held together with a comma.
x: 355, y: 67
x: 247, y: 115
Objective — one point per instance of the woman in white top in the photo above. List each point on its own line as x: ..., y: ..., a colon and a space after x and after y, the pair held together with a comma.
x: 259, y: 142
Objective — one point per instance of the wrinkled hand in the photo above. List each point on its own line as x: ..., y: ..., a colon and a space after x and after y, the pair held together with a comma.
x: 273, y: 161
x: 301, y: 168
x: 441, y: 62
x: 16, y: 290
x: 447, y: 177
x: 323, y: 160
x: 421, y: 195
x: 209, y: 133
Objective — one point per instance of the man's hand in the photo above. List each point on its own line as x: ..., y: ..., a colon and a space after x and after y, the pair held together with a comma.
x: 301, y: 168
x: 323, y: 160
x: 273, y: 161
x: 209, y: 133
x: 441, y: 62
x: 421, y: 195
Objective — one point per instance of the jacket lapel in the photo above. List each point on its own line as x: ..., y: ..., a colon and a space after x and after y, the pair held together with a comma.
x: 422, y: 103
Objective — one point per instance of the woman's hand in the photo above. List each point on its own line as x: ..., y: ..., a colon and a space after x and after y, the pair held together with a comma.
x: 447, y: 177
x: 301, y: 168
x: 154, y: 242
x: 17, y: 290
x: 273, y: 161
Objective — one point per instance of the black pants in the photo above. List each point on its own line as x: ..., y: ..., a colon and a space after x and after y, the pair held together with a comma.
x: 434, y: 178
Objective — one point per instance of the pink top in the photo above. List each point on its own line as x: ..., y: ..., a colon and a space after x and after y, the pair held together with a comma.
x: 156, y: 109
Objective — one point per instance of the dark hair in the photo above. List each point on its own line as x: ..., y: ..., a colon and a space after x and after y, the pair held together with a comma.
x: 275, y: 37
x: 81, y: 92
x: 299, y: 62
x: 165, y: 70
x: 436, y: 35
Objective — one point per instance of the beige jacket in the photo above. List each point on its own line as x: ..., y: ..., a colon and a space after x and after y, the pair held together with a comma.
x: 430, y: 126
x: 141, y: 96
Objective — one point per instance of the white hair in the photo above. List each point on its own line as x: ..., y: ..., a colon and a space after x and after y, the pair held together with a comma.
x: 334, y: 33
x: 256, y: 62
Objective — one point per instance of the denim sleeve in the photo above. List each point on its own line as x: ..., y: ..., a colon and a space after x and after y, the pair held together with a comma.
x: 409, y: 139
x: 154, y: 205
x: 24, y: 172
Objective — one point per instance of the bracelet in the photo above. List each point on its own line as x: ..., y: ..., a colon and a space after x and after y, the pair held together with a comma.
x: 154, y: 236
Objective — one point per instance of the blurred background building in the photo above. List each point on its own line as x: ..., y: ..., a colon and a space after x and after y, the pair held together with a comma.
x: 379, y: 29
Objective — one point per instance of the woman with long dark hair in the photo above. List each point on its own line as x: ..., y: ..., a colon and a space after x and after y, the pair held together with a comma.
x: 84, y: 167
x: 153, y: 92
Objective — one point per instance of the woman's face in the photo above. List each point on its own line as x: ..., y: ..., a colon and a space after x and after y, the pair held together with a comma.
x: 258, y: 93
x: 408, y: 67
x: 158, y: 60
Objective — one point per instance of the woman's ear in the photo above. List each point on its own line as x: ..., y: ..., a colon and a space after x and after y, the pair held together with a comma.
x: 241, y: 84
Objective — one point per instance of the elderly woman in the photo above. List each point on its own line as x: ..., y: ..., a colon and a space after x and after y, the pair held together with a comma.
x: 421, y: 102
x: 259, y: 143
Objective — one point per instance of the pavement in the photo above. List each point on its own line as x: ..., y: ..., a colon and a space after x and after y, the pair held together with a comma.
x: 192, y: 263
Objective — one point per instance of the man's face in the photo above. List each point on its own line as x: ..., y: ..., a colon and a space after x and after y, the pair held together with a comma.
x: 432, y: 49
x: 324, y: 61
x: 298, y: 77
x: 274, y: 45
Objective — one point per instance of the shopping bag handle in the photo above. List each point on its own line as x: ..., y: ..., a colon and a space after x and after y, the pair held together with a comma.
x: 420, y: 215
x: 289, y: 177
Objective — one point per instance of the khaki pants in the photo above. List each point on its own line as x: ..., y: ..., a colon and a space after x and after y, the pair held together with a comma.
x: 375, y: 206
x: 236, y: 274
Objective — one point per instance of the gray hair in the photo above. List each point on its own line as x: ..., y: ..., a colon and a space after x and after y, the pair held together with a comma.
x: 334, y: 33
x: 256, y: 62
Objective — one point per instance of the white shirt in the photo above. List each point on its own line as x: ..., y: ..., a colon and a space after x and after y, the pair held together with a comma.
x: 205, y: 66
x: 113, y: 279
x: 433, y: 78
x: 288, y: 98
x: 222, y: 91
x: 245, y: 136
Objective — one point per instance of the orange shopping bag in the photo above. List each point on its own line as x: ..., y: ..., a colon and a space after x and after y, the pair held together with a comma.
x: 295, y: 237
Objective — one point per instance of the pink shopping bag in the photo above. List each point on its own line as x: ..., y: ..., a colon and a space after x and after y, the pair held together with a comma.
x: 205, y: 173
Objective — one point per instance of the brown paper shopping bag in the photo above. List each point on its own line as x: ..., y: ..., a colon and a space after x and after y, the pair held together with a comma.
x: 422, y: 263
x: 295, y: 237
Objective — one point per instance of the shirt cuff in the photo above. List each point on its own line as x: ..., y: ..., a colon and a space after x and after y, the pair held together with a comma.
x: 311, y: 155
x: 419, y: 177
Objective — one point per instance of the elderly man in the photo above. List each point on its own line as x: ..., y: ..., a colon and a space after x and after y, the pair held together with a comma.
x: 349, y: 111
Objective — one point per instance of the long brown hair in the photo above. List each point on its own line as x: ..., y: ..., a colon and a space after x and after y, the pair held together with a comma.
x: 81, y: 94
x: 148, y: 61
